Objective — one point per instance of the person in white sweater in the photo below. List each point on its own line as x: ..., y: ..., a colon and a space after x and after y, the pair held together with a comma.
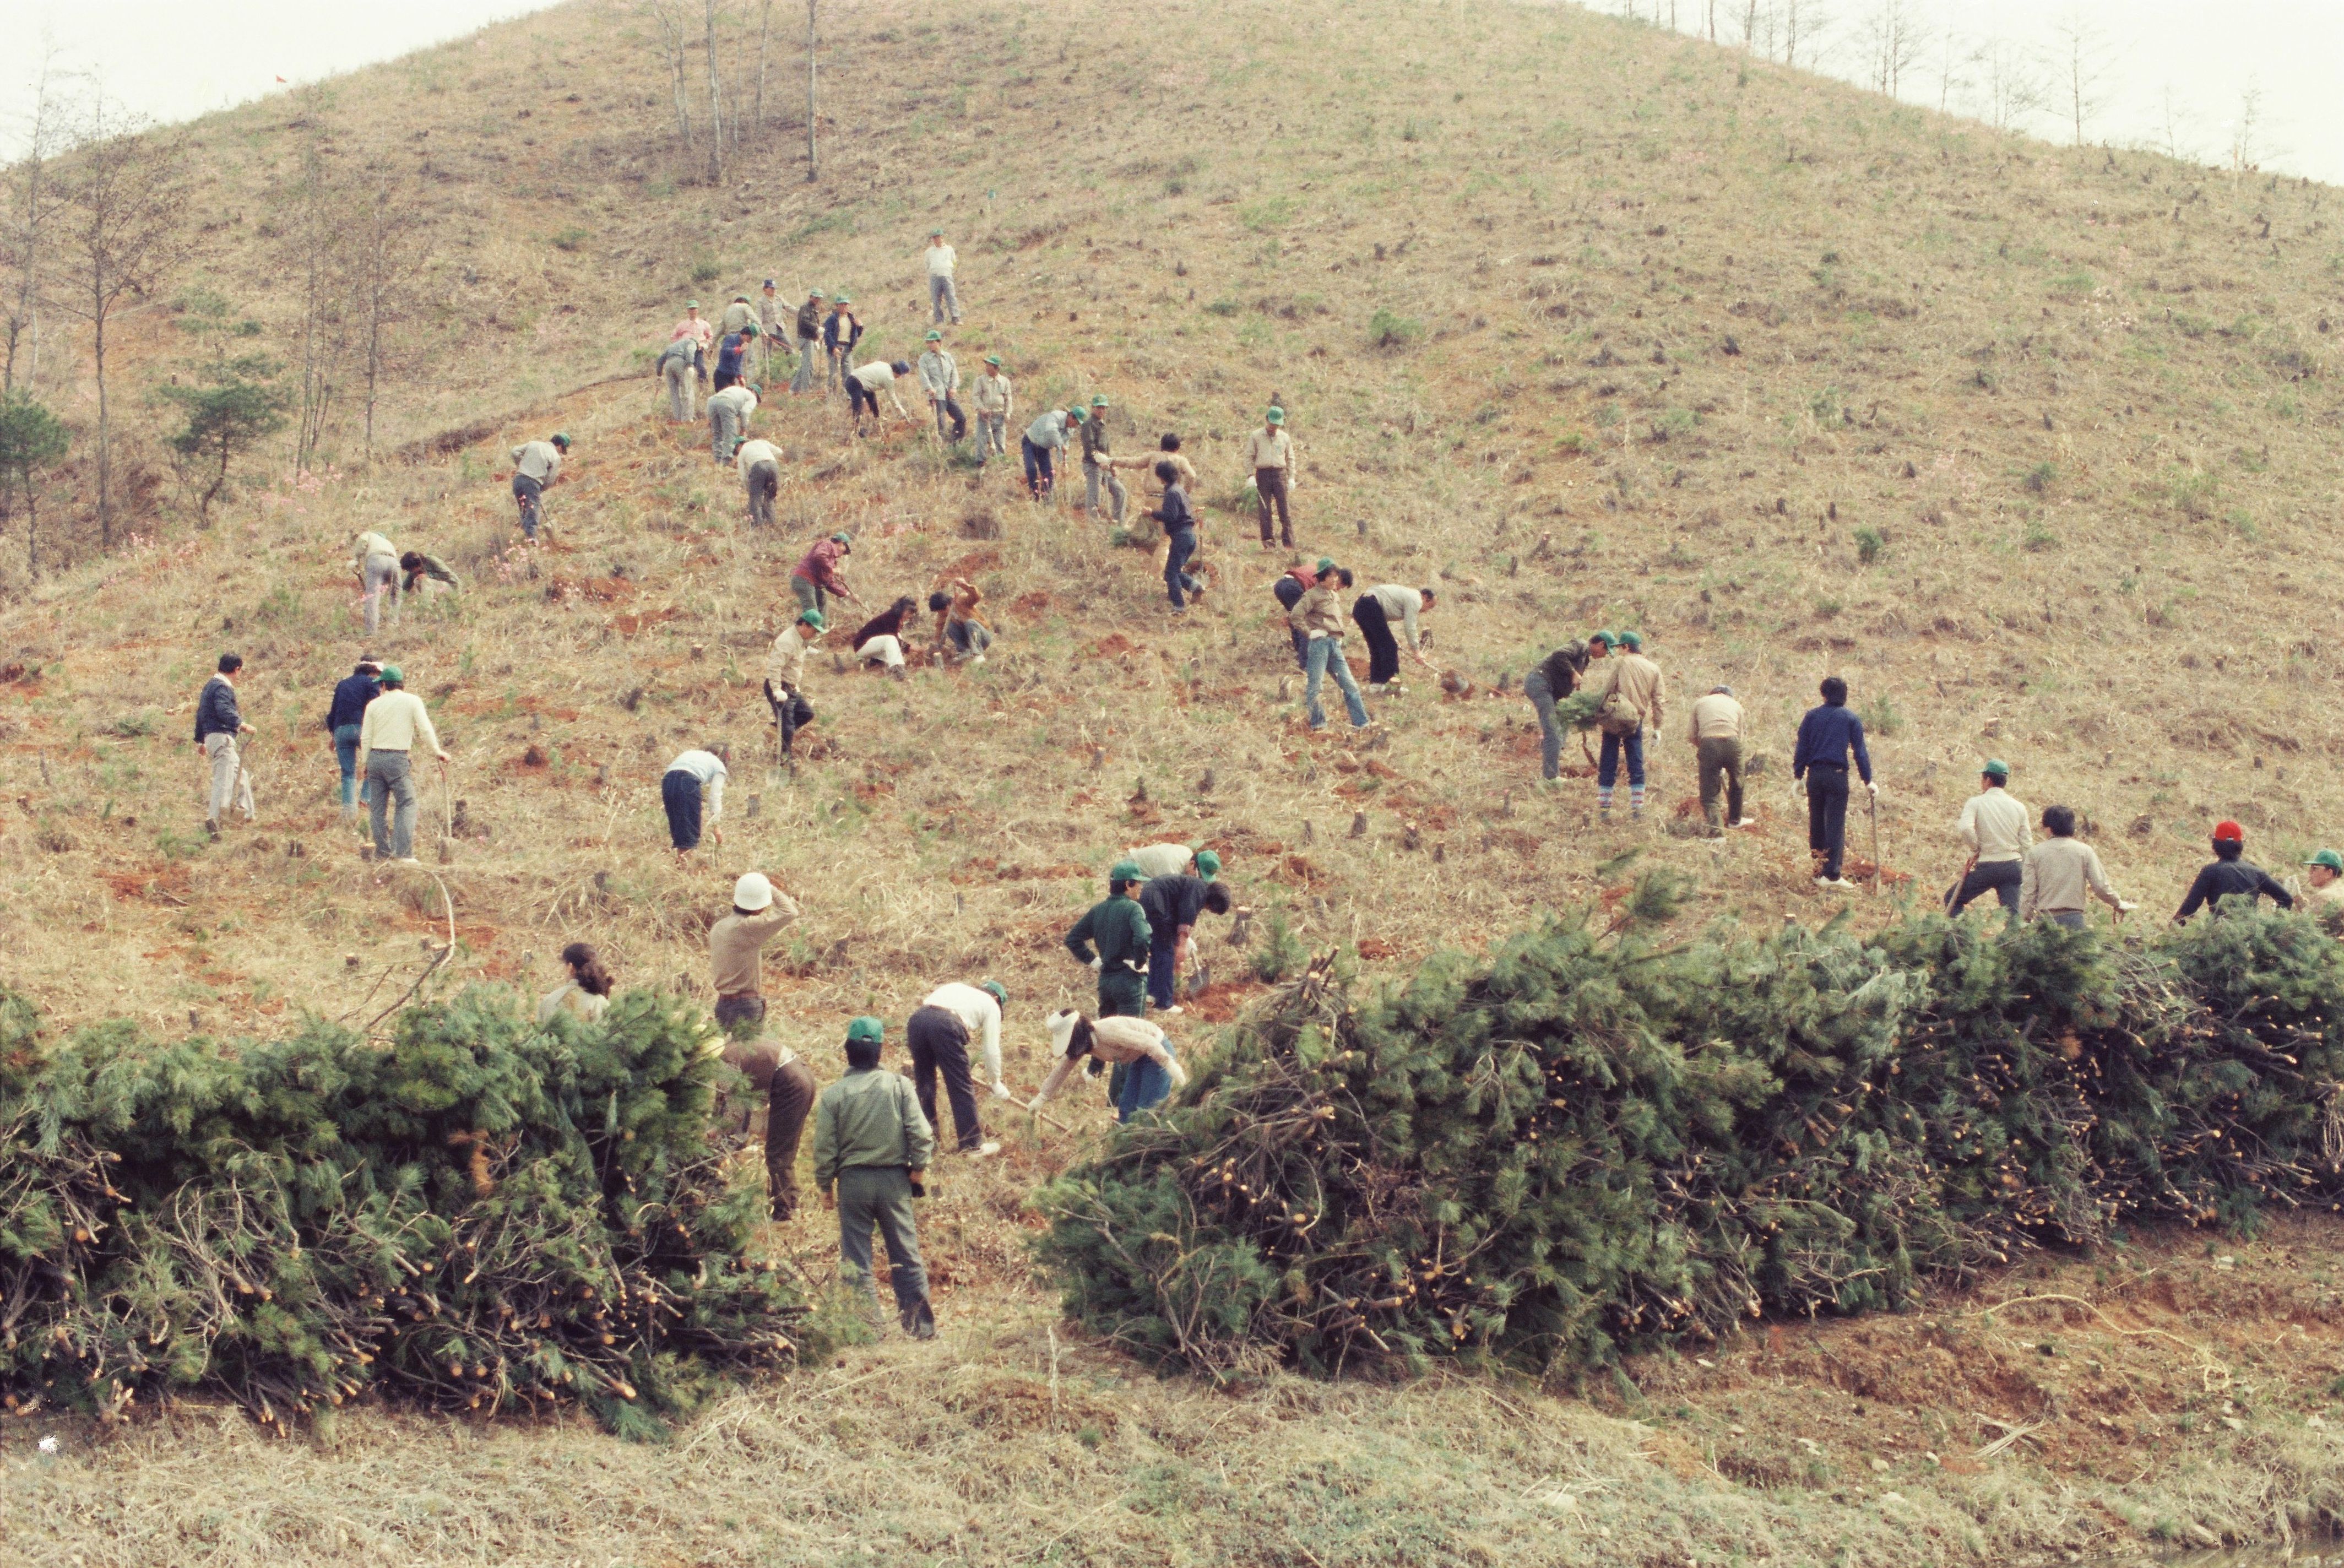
x: 1997, y: 829
x: 759, y: 463
x: 939, y: 1036
x: 693, y: 791
x: 1155, y: 1069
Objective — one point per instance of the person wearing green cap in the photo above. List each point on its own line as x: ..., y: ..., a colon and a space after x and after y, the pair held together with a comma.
x: 940, y: 379
x: 394, y: 722
x: 938, y: 1036
x: 680, y: 366
x: 1270, y: 451
x: 693, y: 327
x: 841, y: 330
x: 941, y: 297
x: 1173, y: 906
x: 1555, y: 677
x: 1119, y: 927
x: 809, y: 343
x: 2324, y: 873
x: 1995, y: 826
x: 727, y: 419
x: 537, y: 467
x: 2061, y: 870
x: 1044, y: 438
x: 1631, y: 701
x: 872, y: 1145
x: 995, y: 402
x: 816, y: 576
x: 1099, y: 464
x: 786, y: 675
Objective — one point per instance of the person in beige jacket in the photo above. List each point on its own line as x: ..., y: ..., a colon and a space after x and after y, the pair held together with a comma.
x: 2057, y: 873
x: 1716, y: 736
x: 1993, y: 825
x: 786, y: 675
x: 1318, y: 618
x: 1637, y: 681
x: 1270, y: 453
x: 1155, y: 1070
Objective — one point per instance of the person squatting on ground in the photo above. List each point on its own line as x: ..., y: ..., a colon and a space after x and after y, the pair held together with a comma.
x: 693, y: 792
x: 1291, y: 585
x: 2230, y: 876
x: 394, y: 722
x: 1099, y: 464
x: 1044, y: 438
x: 1179, y: 520
x: 880, y: 640
x: 1270, y: 452
x: 1994, y: 823
x: 871, y: 1146
x: 1318, y: 617
x: 2057, y: 873
x: 940, y: 380
x: 809, y: 354
x: 219, y: 722
x: 1373, y: 613
x: 680, y: 366
x: 995, y: 402
x: 841, y: 330
x: 1716, y: 733
x: 352, y: 693
x: 785, y: 676
x: 415, y: 569
x: 817, y: 575
x: 938, y: 1036
x: 942, y: 299
x: 585, y: 996
x: 864, y: 384
x: 961, y: 634
x: 376, y: 566
x: 735, y: 944
x: 727, y: 419
x: 1147, y: 1069
x: 537, y: 467
x: 1173, y: 906
x: 1828, y: 736
x: 1631, y: 700
x: 759, y: 464
x: 1554, y: 678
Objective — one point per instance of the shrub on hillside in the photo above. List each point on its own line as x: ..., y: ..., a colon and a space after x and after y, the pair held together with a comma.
x: 485, y: 1216
x: 1578, y: 1147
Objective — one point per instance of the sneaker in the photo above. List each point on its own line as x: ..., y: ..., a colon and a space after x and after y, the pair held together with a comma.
x: 988, y: 1147
x: 1743, y: 822
x: 405, y: 860
x: 1175, y: 1008
x: 1836, y: 884
x: 1376, y: 689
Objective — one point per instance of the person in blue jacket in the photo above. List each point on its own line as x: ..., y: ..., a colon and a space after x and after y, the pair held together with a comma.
x: 1828, y: 737
x: 351, y: 695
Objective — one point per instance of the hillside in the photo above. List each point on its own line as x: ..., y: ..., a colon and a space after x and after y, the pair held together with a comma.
x: 1584, y: 323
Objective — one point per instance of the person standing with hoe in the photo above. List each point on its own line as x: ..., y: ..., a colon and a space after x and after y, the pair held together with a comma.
x: 785, y: 678
x: 941, y: 296
x: 1099, y: 464
x: 817, y: 576
x: 769, y: 328
x: 840, y: 332
x: 1828, y: 737
x: 995, y: 402
x: 1270, y: 451
x: 1994, y: 826
x: 940, y: 380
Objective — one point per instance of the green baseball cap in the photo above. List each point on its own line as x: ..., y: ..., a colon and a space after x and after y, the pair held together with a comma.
x: 936, y: 336
x: 1208, y: 862
x: 813, y: 619
x: 1995, y: 768
x: 2328, y: 858
x: 1325, y: 564
x: 1606, y: 638
x: 1275, y: 417
x: 840, y: 299
x: 392, y: 674
x: 1073, y: 416
x: 845, y: 539
x: 867, y: 1027
x: 691, y: 304
x: 1125, y: 871
x: 1099, y: 402
x: 992, y: 989
x: 748, y: 329
x: 561, y: 440
x: 993, y: 359
x: 1631, y: 640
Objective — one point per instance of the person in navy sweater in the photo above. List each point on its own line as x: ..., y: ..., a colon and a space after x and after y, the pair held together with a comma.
x: 351, y: 695
x: 1827, y: 735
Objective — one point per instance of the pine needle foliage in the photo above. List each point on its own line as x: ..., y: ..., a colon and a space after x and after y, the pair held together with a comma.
x: 1581, y: 1145
x: 485, y: 1216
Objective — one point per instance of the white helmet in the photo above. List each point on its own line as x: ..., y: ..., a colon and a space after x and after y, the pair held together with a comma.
x: 752, y: 893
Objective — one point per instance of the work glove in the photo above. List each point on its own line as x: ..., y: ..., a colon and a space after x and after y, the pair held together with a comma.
x: 1095, y: 962
x: 1037, y: 1103
x: 1874, y: 786
x: 2124, y: 909
x: 1179, y: 1073
x: 1001, y: 1090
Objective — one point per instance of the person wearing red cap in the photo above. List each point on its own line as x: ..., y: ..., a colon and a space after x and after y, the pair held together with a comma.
x: 2230, y: 874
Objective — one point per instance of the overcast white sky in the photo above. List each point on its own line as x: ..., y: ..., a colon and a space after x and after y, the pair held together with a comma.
x: 177, y: 60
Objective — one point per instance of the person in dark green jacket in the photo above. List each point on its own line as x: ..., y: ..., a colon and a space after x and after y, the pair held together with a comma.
x: 872, y: 1145
x: 1120, y: 928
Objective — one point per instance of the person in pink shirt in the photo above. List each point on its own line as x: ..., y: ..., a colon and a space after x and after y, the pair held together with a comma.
x: 692, y: 327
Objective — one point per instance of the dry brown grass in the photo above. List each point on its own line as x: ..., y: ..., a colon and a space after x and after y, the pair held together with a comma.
x: 1685, y: 326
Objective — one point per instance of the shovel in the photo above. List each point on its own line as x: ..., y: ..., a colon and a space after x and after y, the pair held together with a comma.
x: 1872, y: 808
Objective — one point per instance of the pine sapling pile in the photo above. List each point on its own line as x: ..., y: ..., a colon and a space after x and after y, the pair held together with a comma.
x: 1581, y: 1145
x: 486, y: 1216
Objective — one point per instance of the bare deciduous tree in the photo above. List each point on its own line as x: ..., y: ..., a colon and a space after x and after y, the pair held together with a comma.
x: 390, y: 247
x: 2246, y: 151
x: 2173, y: 126
x: 33, y: 197
x: 810, y: 107
x: 2085, y: 57
x: 125, y: 229
x: 319, y: 206
x: 2010, y: 80
x: 1895, y: 37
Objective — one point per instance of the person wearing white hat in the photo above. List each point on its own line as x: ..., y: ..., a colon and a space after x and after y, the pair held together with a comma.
x: 734, y: 944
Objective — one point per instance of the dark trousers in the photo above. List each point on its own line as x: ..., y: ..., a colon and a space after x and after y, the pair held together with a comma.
x: 1290, y: 591
x: 1720, y: 767
x: 1999, y: 878
x: 1541, y: 696
x: 948, y: 407
x: 680, y: 793
x: 1163, y: 971
x: 764, y: 483
x: 1383, y: 648
x: 792, y: 713
x: 525, y: 493
x: 725, y: 379
x: 789, y: 1090
x: 1827, y: 816
x: 740, y: 1014
x: 1269, y: 489
x: 1607, y: 761
x: 860, y: 396
x: 1179, y: 546
x: 939, y: 1041
x: 1039, y: 476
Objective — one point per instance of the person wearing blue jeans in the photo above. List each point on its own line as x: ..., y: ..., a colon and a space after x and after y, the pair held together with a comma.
x: 351, y: 695
x: 1607, y: 764
x: 1318, y: 617
x: 1135, y: 1044
x: 1179, y: 520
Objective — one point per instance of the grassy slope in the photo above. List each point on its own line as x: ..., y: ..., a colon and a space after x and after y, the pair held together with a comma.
x: 1674, y: 316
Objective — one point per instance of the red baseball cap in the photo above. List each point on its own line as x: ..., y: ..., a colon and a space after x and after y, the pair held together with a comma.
x: 2230, y: 832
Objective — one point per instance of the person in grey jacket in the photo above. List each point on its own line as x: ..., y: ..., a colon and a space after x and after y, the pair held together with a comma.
x: 940, y: 379
x: 872, y: 1145
x: 679, y: 366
